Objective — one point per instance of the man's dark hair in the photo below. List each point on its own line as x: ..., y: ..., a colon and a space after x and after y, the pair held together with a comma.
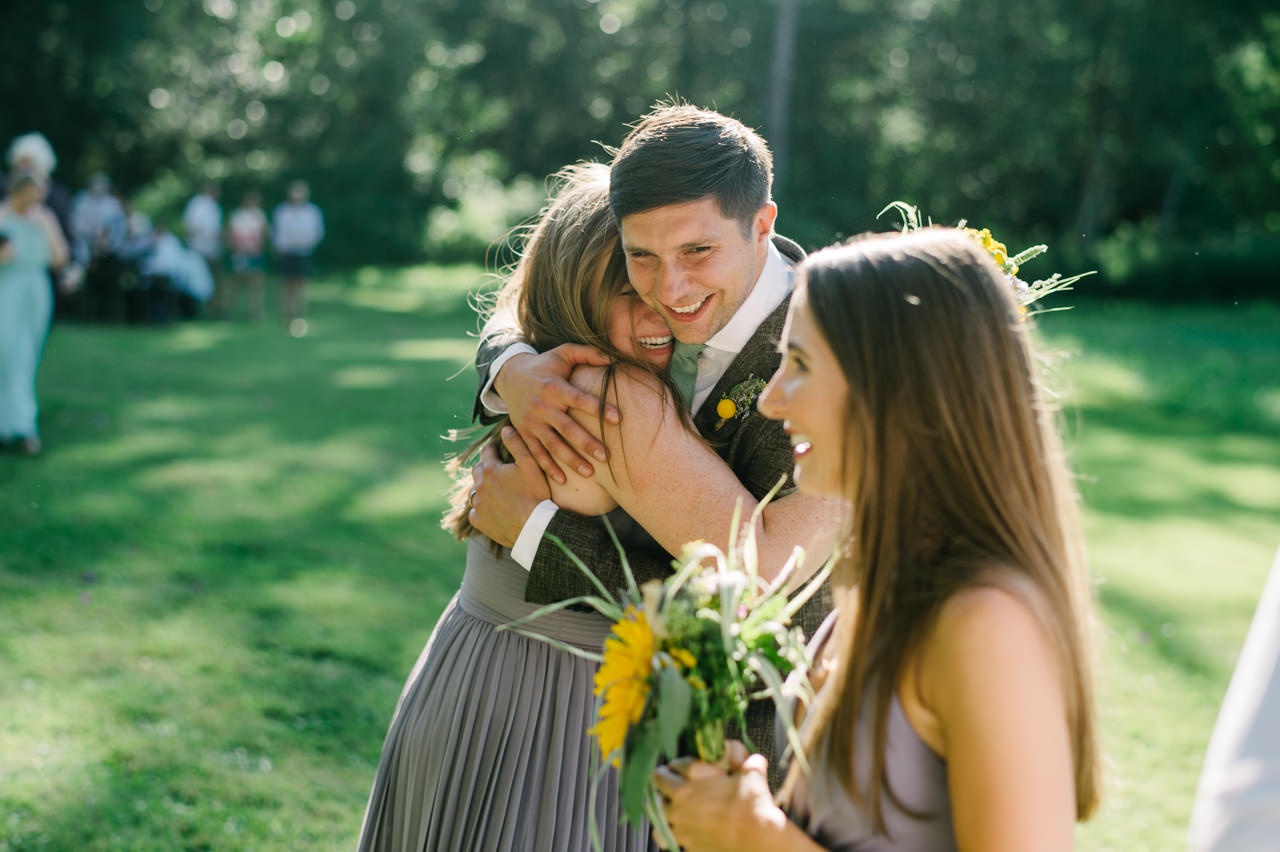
x: 679, y: 153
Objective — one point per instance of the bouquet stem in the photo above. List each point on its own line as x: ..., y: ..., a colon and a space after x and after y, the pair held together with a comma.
x: 710, y: 742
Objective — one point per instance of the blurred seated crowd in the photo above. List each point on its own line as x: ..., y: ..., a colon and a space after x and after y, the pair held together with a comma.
x: 124, y: 267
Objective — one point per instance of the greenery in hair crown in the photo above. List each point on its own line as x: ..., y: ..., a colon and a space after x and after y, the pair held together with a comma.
x: 1027, y: 293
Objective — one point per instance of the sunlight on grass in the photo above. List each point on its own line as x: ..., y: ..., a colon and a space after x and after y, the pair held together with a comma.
x: 461, y: 350
x: 411, y: 493
x: 364, y: 377
x: 197, y: 338
x: 215, y: 580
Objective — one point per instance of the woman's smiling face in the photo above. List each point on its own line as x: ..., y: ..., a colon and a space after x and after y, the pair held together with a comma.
x: 634, y: 328
x: 809, y: 394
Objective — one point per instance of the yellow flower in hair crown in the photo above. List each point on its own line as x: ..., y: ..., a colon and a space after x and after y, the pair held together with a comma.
x: 1027, y: 293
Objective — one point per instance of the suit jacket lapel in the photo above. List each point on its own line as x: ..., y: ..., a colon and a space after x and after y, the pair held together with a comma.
x: 758, y: 359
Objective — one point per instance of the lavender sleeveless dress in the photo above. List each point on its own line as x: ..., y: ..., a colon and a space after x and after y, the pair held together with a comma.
x: 488, y: 747
x: 917, y: 776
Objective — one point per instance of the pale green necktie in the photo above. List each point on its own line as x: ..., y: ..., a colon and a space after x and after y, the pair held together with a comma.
x: 684, y: 369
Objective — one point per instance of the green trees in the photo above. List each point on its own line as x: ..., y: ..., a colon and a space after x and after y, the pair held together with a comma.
x: 1111, y: 129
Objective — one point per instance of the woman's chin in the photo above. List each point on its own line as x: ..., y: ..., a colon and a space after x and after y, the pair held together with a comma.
x: 815, y: 480
x: 659, y: 358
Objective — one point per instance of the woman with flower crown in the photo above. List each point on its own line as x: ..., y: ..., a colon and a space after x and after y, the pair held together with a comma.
x: 954, y: 701
x: 489, y: 747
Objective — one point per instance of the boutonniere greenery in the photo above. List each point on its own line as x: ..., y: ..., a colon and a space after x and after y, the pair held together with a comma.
x: 739, y: 401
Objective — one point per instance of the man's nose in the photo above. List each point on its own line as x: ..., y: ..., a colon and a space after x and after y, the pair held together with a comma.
x: 673, y: 285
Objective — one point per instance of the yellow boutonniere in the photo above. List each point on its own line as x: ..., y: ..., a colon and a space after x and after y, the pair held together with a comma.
x: 739, y: 401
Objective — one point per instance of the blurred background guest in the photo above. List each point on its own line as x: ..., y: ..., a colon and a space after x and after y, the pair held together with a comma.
x: 186, y: 271
x: 202, y: 225
x: 98, y: 230
x: 32, y: 153
x: 298, y: 227
x: 247, y: 233
x: 33, y: 243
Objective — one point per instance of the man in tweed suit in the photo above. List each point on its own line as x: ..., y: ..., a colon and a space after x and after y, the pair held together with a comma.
x: 690, y: 189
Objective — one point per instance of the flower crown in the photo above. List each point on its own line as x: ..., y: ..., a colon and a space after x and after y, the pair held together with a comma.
x: 1027, y: 294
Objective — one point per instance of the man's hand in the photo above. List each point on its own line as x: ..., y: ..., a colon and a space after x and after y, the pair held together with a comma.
x: 539, y: 396
x: 504, y: 495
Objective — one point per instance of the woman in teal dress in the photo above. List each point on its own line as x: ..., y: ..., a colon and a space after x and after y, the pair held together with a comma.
x: 32, y: 243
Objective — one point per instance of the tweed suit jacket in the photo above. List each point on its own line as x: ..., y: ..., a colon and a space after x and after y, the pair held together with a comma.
x: 755, y: 448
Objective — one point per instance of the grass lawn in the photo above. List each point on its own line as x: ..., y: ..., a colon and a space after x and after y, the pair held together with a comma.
x: 216, y: 578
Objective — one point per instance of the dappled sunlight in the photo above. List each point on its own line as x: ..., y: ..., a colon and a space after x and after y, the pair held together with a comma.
x: 458, y: 350
x: 136, y: 447
x: 1100, y: 380
x: 172, y: 409
x: 1224, y: 477
x: 193, y: 337
x: 322, y: 613
x: 414, y: 491
x: 206, y: 473
x: 364, y: 377
x: 47, y: 734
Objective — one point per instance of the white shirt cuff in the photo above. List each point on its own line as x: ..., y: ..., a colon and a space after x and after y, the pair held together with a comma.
x: 526, y: 546
x: 489, y: 398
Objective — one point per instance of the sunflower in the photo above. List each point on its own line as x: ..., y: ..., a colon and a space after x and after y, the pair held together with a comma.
x: 623, y: 680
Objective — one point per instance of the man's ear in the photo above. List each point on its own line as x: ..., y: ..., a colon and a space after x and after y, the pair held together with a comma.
x: 762, y: 227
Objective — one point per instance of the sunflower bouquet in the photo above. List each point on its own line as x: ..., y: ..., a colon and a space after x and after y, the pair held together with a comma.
x: 684, y: 658
x: 1011, y: 265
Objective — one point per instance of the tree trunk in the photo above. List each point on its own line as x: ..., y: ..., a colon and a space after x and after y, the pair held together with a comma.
x: 784, y: 52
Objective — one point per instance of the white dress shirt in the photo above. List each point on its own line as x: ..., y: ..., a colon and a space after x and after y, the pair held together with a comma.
x: 296, y: 227
x: 770, y: 289
x: 202, y: 221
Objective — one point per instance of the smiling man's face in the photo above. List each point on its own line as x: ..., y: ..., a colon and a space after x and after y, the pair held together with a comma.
x: 694, y: 265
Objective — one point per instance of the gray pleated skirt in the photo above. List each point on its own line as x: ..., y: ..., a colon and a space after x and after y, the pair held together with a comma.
x: 488, y: 747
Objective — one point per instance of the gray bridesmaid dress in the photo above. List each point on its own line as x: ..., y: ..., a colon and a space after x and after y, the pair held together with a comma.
x: 488, y: 747
x: 916, y: 774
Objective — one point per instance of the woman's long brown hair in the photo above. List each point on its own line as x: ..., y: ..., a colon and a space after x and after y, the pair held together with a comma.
x: 550, y: 294
x: 955, y: 476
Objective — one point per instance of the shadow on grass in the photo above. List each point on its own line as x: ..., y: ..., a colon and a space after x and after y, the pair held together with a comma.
x: 262, y: 512
x: 1154, y: 626
x: 1218, y: 366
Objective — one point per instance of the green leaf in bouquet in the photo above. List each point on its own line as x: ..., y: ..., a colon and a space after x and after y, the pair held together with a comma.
x: 675, y: 700
x: 608, y: 609
x: 581, y: 566
x: 810, y: 589
x: 778, y: 692
x: 637, y: 771
x: 658, y: 819
x: 750, y: 558
x: 632, y: 588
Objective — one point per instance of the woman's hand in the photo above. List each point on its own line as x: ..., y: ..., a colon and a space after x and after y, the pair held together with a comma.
x: 539, y: 396
x: 709, y: 808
